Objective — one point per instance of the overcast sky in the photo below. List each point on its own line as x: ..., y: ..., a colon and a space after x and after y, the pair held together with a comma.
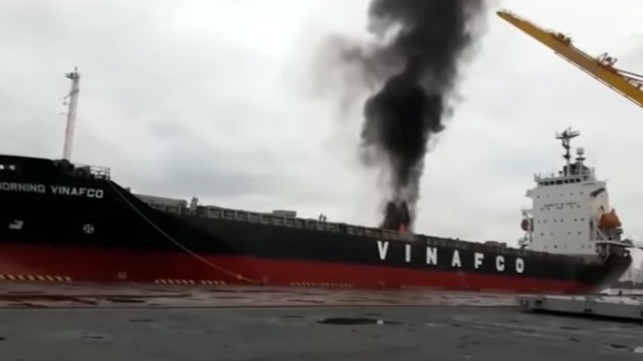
x: 212, y: 98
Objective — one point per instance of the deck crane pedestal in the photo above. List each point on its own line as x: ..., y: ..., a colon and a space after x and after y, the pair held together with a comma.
x: 628, y: 84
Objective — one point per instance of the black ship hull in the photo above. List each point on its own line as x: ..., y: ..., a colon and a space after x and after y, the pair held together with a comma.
x: 61, y: 224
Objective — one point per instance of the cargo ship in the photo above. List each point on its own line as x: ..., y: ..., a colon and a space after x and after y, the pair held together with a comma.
x: 61, y: 221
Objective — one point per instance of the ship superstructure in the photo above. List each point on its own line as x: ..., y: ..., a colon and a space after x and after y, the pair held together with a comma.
x: 571, y: 212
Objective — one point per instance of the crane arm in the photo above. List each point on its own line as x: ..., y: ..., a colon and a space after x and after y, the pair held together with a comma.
x: 629, y: 85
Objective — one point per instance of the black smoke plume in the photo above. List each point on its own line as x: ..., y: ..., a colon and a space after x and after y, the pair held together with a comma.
x: 416, y: 59
x: 409, y: 68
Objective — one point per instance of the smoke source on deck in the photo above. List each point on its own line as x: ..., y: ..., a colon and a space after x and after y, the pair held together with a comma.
x: 420, y: 43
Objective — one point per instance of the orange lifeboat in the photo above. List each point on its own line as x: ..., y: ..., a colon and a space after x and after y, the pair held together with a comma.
x: 527, y: 225
x: 609, y: 220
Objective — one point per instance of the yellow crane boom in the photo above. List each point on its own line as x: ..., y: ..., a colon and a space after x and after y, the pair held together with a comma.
x: 602, y: 68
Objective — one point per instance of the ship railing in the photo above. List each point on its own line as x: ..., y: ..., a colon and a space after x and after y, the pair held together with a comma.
x: 97, y: 171
x: 561, y: 179
x: 545, y: 176
x: 295, y: 222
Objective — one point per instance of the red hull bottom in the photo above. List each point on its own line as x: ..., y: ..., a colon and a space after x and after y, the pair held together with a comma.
x: 47, y: 263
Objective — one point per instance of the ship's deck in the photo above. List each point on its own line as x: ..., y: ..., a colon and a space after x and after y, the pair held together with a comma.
x: 85, y: 322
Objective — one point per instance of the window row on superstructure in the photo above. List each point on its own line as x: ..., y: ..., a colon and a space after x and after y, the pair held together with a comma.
x: 562, y: 194
x: 552, y: 182
x: 552, y: 233
x: 565, y: 246
x: 560, y: 206
x: 555, y: 220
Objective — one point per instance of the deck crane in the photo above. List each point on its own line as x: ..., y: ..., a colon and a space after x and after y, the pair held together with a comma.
x: 628, y: 84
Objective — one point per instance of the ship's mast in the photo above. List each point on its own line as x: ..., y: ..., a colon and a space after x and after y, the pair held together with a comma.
x: 566, y: 136
x: 71, y: 112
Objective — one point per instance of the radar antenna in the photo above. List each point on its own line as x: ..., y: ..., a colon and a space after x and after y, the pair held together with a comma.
x: 566, y: 137
x: 74, y: 76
